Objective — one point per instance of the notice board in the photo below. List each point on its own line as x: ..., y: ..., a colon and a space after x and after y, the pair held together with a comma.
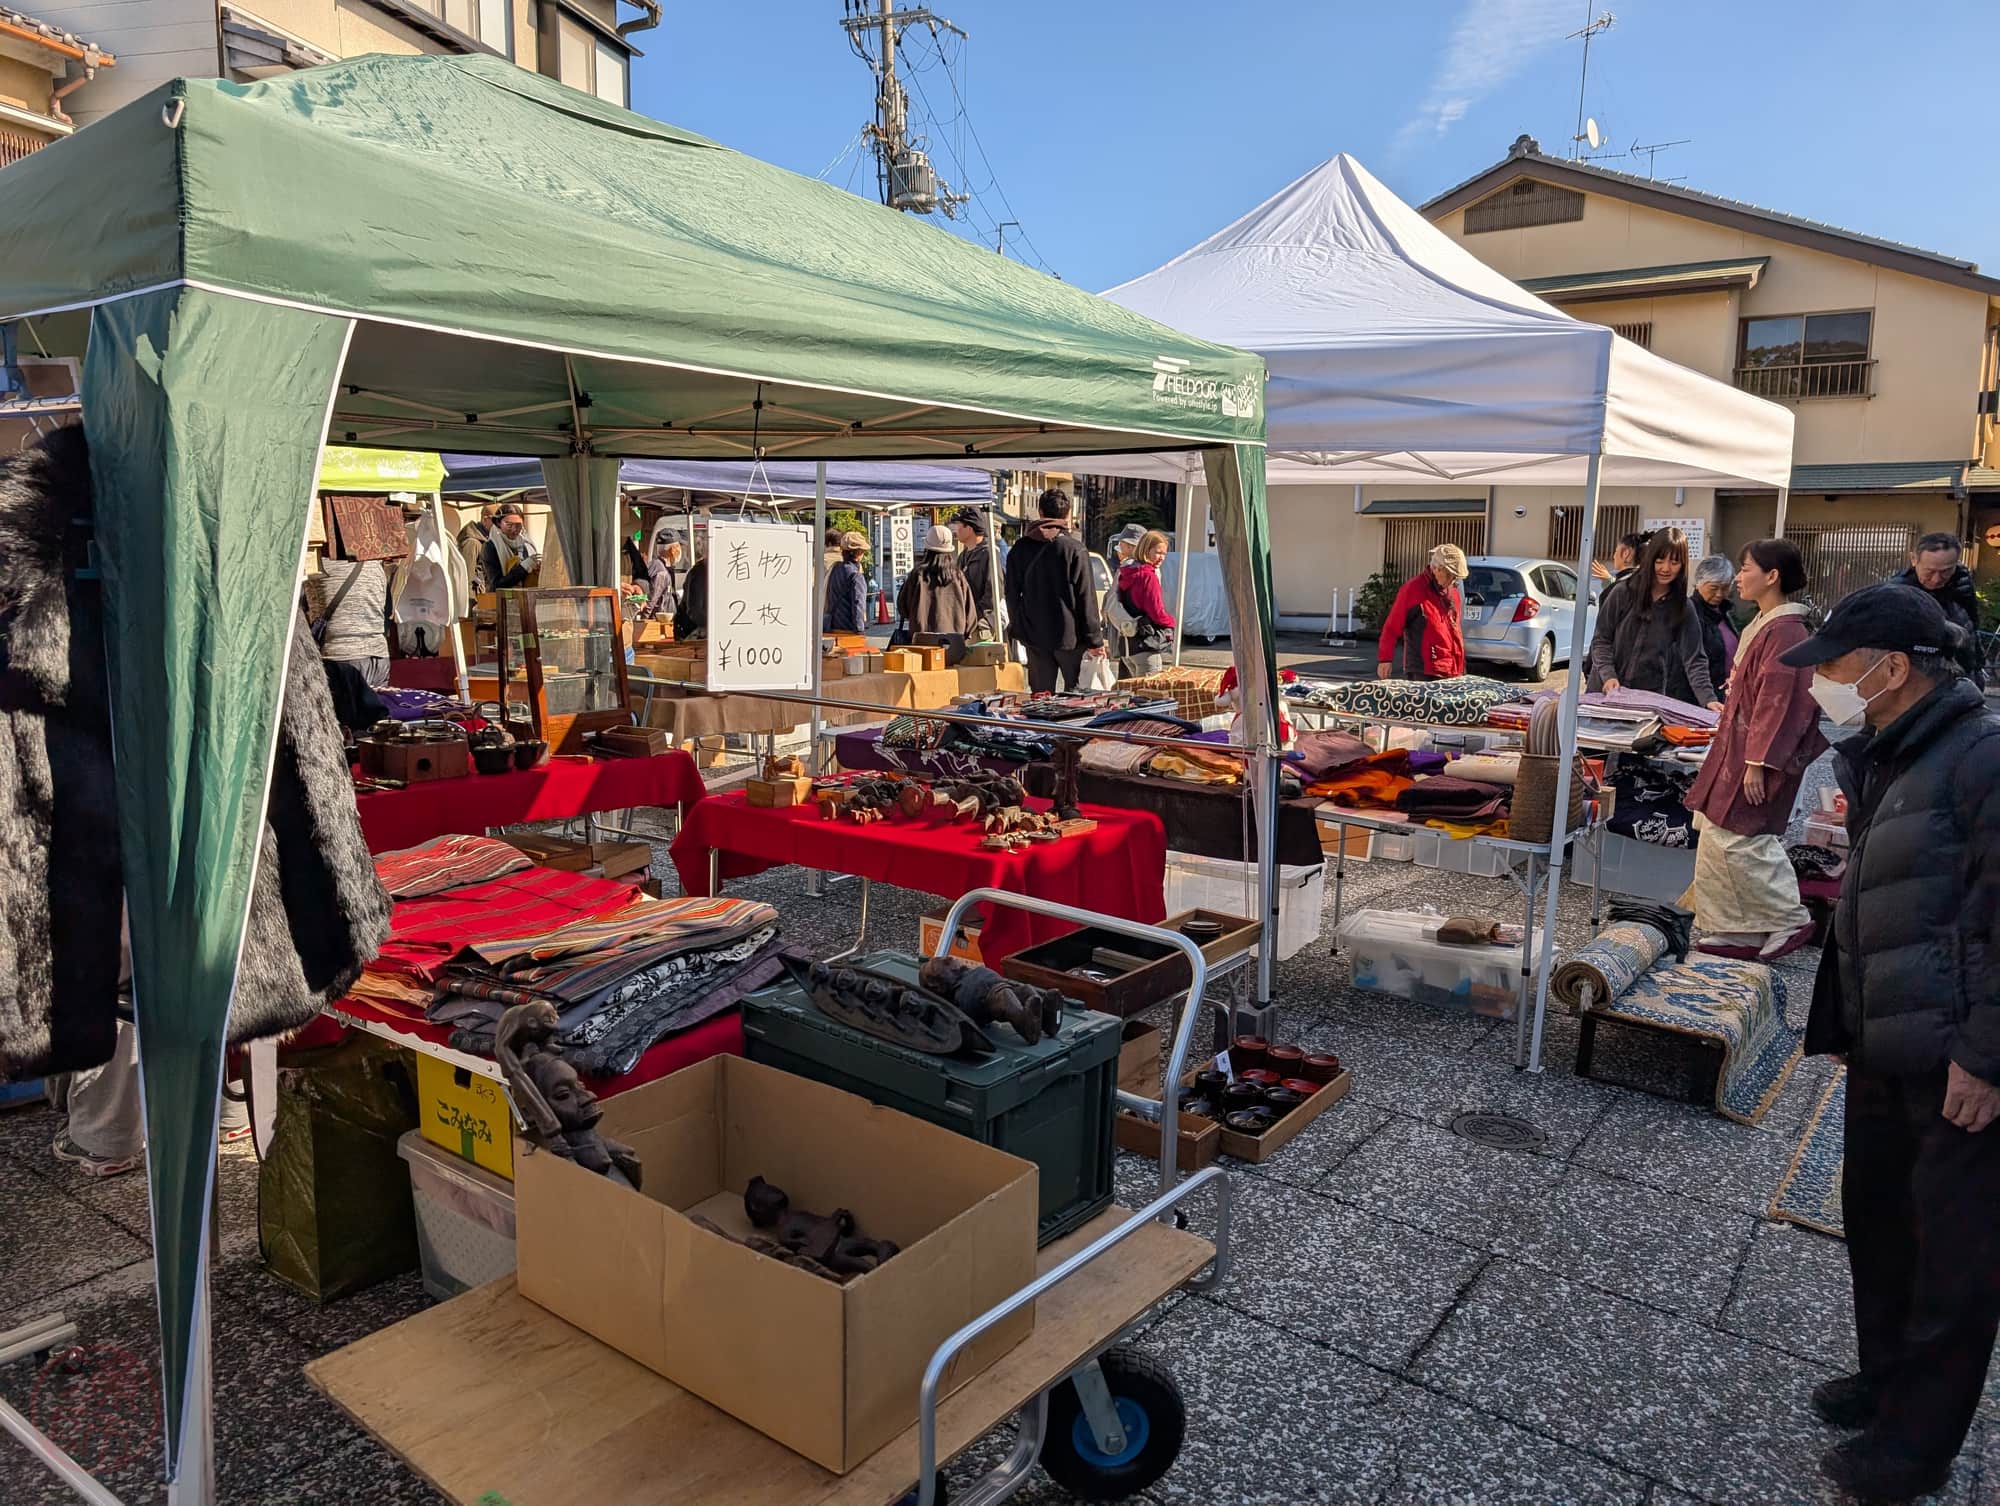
x: 1696, y: 530
x: 761, y: 632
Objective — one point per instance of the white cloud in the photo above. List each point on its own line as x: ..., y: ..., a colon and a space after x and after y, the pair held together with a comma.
x: 1493, y: 40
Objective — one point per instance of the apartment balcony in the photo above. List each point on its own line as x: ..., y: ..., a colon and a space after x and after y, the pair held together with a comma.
x: 1816, y: 379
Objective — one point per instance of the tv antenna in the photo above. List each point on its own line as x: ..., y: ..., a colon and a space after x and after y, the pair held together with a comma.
x: 1586, y: 130
x: 1653, y: 150
x: 903, y: 167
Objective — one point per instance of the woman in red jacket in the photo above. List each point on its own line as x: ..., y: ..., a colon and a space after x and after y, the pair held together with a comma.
x: 1140, y: 594
x: 1427, y: 619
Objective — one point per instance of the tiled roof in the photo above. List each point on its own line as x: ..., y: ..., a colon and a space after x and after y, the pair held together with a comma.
x: 1527, y: 157
x: 1882, y: 476
x: 1390, y: 507
x: 55, y: 37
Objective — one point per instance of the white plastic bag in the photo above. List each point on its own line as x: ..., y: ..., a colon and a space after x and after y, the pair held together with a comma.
x: 1097, y: 673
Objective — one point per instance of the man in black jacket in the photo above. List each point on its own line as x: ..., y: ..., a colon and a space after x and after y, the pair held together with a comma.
x: 975, y: 558
x: 1051, y: 604
x: 1908, y: 993
x: 1936, y: 570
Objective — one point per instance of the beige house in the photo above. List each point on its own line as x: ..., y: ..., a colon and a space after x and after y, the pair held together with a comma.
x: 1888, y: 355
x: 41, y: 67
x: 581, y: 42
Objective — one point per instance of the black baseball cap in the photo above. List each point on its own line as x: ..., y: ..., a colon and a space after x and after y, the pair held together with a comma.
x: 1898, y: 618
x: 971, y: 517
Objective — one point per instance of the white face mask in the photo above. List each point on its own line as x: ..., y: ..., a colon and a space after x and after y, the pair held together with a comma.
x: 1844, y: 704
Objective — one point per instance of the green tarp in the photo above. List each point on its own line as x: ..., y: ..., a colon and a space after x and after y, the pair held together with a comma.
x: 256, y: 267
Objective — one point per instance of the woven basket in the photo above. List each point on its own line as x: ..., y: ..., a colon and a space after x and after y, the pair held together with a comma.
x: 1531, y: 818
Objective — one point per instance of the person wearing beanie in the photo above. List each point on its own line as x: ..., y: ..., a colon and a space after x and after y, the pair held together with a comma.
x: 1426, y: 622
x: 935, y: 597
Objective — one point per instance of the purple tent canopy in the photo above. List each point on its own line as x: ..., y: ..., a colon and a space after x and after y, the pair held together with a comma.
x: 846, y: 480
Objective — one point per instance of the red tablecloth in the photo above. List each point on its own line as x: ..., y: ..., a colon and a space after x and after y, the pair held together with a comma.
x: 560, y: 789
x: 721, y: 1036
x: 1118, y: 869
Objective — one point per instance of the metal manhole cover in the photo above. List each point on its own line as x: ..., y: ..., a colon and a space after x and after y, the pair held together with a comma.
x: 1501, y: 1131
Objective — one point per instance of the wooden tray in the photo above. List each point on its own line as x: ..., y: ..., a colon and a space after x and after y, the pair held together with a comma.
x: 1256, y: 1148
x: 1048, y: 964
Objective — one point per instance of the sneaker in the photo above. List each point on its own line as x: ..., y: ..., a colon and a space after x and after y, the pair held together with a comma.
x: 1880, y: 1479
x: 91, y: 1165
x: 1844, y: 1402
x: 231, y: 1134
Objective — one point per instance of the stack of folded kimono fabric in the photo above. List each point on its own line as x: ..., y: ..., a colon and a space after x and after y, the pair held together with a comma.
x: 478, y: 928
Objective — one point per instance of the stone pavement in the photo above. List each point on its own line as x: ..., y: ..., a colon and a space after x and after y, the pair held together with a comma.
x: 1413, y: 1317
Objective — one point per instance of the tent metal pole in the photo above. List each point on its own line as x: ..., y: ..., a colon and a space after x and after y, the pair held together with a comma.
x: 1559, y: 824
x: 816, y: 554
x: 460, y: 610
x: 1183, y: 521
x: 1784, y: 500
x: 195, y: 1485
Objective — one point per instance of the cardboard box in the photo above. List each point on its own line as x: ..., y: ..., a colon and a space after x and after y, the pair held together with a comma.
x: 1358, y: 840
x: 933, y: 655
x: 964, y: 946
x: 465, y: 1114
x: 877, y: 663
x: 829, y: 1371
x: 983, y: 655
x: 605, y: 859
x: 771, y: 793
x: 833, y: 667
x: 903, y: 661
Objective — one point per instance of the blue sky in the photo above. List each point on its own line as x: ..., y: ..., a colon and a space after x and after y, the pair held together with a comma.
x: 1121, y: 132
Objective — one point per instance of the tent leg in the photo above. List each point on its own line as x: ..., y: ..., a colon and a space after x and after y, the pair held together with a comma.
x: 1183, y: 520
x: 1784, y: 499
x: 815, y: 880
x: 1559, y: 824
x: 1267, y: 771
x: 460, y: 610
x: 195, y: 1485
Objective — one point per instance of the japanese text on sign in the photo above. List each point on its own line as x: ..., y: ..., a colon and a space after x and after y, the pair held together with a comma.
x: 761, y: 635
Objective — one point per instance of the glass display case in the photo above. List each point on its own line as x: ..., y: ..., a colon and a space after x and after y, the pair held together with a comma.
x: 562, y: 654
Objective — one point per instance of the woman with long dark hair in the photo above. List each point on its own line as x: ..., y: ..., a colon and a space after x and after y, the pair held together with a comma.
x: 1745, y: 895
x: 935, y: 597
x: 1648, y: 636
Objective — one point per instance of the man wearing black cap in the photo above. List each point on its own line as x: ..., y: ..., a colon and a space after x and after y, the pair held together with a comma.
x: 1908, y: 993
x: 975, y: 558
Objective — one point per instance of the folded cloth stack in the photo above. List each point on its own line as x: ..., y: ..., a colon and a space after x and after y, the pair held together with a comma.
x: 1451, y: 799
x: 1670, y: 711
x: 1650, y: 804
x: 1371, y: 783
x: 1503, y: 768
x: 1317, y: 755
x: 1196, y: 766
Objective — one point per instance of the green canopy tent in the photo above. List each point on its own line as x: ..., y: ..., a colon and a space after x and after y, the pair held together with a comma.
x: 252, y: 271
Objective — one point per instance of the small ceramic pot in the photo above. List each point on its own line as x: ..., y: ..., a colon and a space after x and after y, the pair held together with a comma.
x: 1202, y: 932
x: 529, y: 753
x: 1249, y: 1051
x: 1320, y: 1068
x: 1282, y: 1100
x: 1251, y: 1121
x: 1242, y: 1095
x: 1201, y: 1108
x: 493, y: 760
x: 1210, y: 1084
x: 1284, y: 1060
x: 1303, y: 1085
x: 1264, y: 1077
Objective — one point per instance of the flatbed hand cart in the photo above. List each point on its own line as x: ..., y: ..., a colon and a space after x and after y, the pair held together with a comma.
x: 496, y: 1400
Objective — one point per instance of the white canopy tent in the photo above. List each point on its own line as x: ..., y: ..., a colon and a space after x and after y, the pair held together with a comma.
x: 1398, y: 357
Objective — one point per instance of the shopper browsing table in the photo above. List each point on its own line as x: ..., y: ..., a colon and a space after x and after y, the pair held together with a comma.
x: 1745, y: 895
x: 1426, y: 622
x: 935, y: 597
x: 508, y: 557
x: 982, y: 571
x: 1710, y: 600
x: 1909, y: 993
x: 1051, y: 603
x: 1141, y: 595
x: 847, y: 587
x: 1648, y: 636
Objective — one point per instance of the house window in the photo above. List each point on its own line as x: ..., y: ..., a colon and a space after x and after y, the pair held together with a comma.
x: 1806, y: 355
x: 1523, y: 204
x: 583, y: 58
x: 1639, y: 334
x: 486, y: 21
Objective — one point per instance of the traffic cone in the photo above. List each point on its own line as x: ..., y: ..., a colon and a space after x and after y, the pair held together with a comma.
x: 882, y: 608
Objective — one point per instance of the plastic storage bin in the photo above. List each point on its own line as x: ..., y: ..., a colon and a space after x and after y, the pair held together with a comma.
x: 1638, y: 868
x: 1435, y: 850
x: 1397, y: 952
x: 1050, y: 1103
x: 465, y: 1218
x: 1395, y: 846
x: 1203, y: 883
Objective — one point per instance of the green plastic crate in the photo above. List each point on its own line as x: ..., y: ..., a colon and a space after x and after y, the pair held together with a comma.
x: 1050, y: 1103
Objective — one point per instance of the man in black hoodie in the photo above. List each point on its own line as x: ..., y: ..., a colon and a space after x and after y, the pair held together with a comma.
x: 1935, y: 569
x: 1051, y: 604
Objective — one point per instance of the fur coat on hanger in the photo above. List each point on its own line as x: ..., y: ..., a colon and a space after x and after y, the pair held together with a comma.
x: 317, y: 911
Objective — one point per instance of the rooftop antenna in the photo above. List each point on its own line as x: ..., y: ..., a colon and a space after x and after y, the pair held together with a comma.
x: 1590, y: 29
x: 1653, y: 150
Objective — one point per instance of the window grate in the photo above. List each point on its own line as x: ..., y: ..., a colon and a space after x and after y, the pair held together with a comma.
x: 1841, y: 558
x: 1407, y: 542
x: 1639, y: 334
x: 1566, y: 531
x: 1523, y: 204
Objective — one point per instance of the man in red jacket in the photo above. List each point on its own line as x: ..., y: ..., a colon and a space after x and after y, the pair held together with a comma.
x: 1427, y: 619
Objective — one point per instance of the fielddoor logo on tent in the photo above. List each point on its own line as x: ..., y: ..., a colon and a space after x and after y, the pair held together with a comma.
x: 1176, y: 386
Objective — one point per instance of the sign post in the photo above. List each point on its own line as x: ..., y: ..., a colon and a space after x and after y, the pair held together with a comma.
x: 761, y: 632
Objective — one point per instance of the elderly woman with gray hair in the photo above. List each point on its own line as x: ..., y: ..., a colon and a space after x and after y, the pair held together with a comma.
x: 1710, y: 600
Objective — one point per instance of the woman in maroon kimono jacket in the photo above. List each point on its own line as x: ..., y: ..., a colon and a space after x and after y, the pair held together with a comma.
x: 1745, y: 895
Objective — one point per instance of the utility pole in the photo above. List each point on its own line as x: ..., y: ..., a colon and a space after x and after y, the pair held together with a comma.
x: 903, y: 170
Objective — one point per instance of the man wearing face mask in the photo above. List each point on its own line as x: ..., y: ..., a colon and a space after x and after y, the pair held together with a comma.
x: 1909, y: 993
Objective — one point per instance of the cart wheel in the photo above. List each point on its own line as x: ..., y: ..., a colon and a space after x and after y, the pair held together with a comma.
x: 1155, y: 1421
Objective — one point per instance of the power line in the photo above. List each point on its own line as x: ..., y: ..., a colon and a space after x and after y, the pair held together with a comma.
x: 993, y: 177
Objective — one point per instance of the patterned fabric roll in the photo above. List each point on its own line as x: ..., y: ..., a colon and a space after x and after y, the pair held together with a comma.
x: 1609, y: 965
x: 1460, y: 702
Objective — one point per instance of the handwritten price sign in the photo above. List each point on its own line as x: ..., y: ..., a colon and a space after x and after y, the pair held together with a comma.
x: 761, y: 633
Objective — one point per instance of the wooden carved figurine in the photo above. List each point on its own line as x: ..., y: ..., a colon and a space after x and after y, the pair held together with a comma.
x: 827, y: 1238
x: 986, y: 996
x: 562, y: 1113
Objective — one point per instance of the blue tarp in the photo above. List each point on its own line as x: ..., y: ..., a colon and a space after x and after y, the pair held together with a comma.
x: 846, y: 480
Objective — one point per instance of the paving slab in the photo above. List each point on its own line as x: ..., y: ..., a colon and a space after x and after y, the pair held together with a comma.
x: 50, y: 1241
x: 1417, y: 1173
x: 1686, y: 1149
x: 1794, y: 1293
x: 1454, y: 1455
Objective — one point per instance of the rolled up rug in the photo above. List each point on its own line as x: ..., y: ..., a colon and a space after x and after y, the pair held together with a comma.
x: 1608, y: 965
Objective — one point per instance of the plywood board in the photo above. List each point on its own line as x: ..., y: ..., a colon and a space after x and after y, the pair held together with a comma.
x: 489, y: 1392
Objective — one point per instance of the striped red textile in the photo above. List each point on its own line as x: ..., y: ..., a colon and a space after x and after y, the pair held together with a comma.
x: 449, y: 862
x: 425, y: 932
